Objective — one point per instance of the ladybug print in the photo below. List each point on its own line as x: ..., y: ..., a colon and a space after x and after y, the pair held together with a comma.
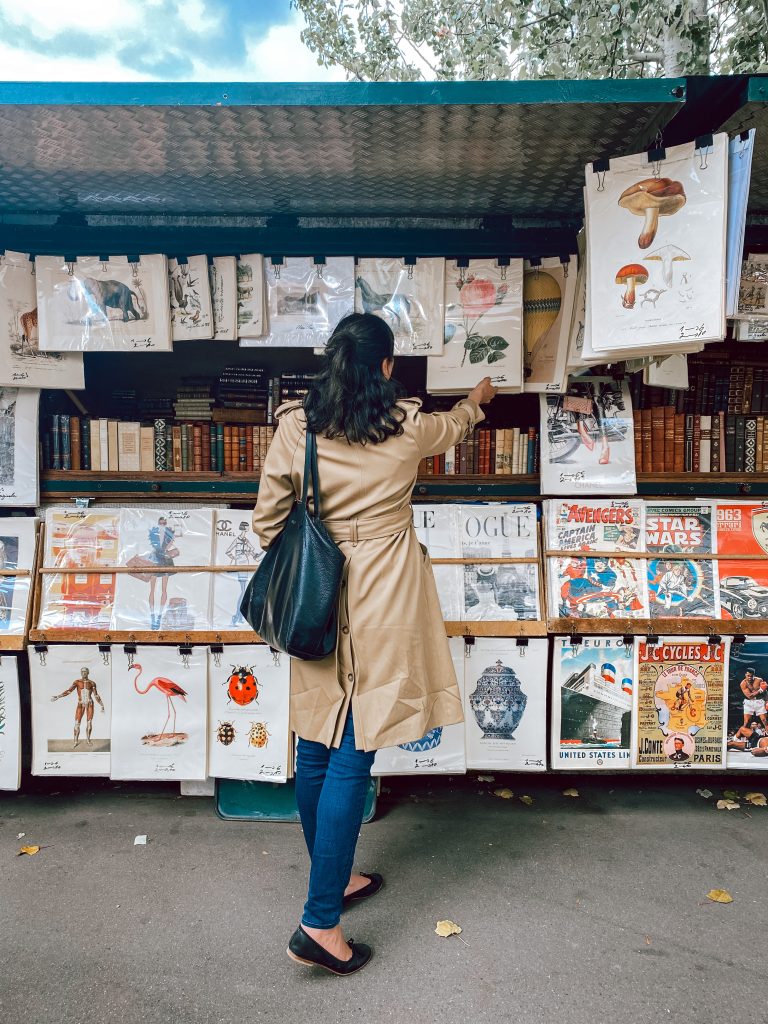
x: 258, y: 735
x: 225, y: 733
x: 243, y: 686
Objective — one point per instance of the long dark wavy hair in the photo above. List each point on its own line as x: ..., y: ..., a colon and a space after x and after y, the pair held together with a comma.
x: 350, y: 397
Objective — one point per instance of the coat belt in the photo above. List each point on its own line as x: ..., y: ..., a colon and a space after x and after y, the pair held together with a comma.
x: 369, y: 529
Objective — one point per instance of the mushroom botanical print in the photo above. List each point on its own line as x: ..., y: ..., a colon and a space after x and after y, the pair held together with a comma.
x: 667, y: 255
x: 651, y: 199
x: 633, y: 273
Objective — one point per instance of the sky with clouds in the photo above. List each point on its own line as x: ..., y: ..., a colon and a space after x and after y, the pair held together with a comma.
x: 155, y: 40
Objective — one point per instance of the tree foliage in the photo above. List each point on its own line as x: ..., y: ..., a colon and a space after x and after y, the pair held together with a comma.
x: 410, y: 40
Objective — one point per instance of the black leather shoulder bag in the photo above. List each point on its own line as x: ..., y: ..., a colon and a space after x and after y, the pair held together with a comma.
x: 291, y: 601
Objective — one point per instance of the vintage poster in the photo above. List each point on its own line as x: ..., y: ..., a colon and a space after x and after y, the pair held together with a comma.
x: 10, y: 724
x: 22, y: 364
x: 160, y: 713
x: 250, y: 296
x: 153, y: 539
x: 236, y: 545
x: 598, y: 578
x: 409, y: 296
x: 592, y: 687
x: 549, y: 294
x: 19, y: 485
x: 747, y: 712
x: 440, y: 752
x: 587, y: 439
x: 656, y: 238
x: 222, y: 278
x: 305, y: 300
x: 17, y: 551
x: 483, y: 328
x: 248, y: 706
x: 190, y: 295
x: 438, y: 529
x: 79, y: 540
x: 678, y: 713
x: 682, y: 587
x: 94, y: 305
x: 742, y: 530
x: 70, y: 688
x: 753, y: 289
x: 505, y: 704
x: 494, y: 591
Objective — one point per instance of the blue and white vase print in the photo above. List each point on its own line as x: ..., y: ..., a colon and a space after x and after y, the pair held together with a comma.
x: 428, y: 742
x: 498, y: 702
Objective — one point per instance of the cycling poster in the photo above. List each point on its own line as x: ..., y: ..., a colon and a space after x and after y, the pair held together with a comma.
x: 680, y: 587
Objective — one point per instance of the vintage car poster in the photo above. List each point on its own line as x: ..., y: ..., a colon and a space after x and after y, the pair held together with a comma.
x: 248, y: 702
x: 440, y: 752
x: 94, y: 305
x: 222, y: 277
x: 483, y: 328
x: 159, y: 713
x: 17, y: 551
x: 587, y: 439
x: 678, y: 715
x: 742, y: 530
x: 680, y: 587
x: 19, y: 456
x: 549, y: 295
x: 10, y: 724
x: 505, y: 704
x: 598, y: 578
x: 22, y: 364
x: 410, y: 297
x: 190, y: 296
x: 235, y: 545
x: 79, y: 541
x: 592, y: 687
x: 70, y: 688
x: 656, y: 243
x: 251, y: 321
x: 747, y: 711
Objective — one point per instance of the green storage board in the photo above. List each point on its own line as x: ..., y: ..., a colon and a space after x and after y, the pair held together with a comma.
x: 237, y: 800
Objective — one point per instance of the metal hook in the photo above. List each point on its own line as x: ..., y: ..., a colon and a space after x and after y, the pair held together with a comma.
x: 276, y: 658
x: 601, y: 181
x: 71, y: 268
x: 217, y: 659
x: 704, y: 158
x: 656, y: 165
x: 276, y: 269
x: 503, y: 272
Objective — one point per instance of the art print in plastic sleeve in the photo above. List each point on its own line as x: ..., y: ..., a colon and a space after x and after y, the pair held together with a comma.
x: 682, y: 587
x: 592, y: 686
x: 154, y: 539
x: 656, y: 240
x: 190, y: 296
x: 742, y: 529
x: 79, y: 540
x: 438, y: 529
x: 498, y: 592
x: 549, y: 293
x: 10, y: 724
x: 93, y: 305
x: 22, y: 364
x: 678, y: 719
x: 740, y: 150
x: 483, y: 328
x: 747, y: 711
x: 19, y: 484
x: 505, y: 705
x: 222, y: 276
x: 440, y: 752
x: 752, y: 330
x: 235, y: 545
x: 17, y: 551
x: 305, y: 300
x: 410, y: 298
x: 587, y: 439
x: 159, y: 713
x: 70, y: 686
x: 251, y: 296
x: 248, y: 701
x: 753, y: 289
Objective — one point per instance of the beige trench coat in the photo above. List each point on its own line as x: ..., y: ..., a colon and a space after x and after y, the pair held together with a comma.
x: 392, y: 660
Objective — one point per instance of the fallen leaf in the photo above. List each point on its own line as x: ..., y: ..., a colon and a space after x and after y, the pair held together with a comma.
x: 706, y: 793
x: 758, y: 799
x: 140, y: 841
x: 29, y: 850
x: 486, y: 778
x: 527, y: 800
x: 647, y: 940
x: 446, y: 928
x: 719, y: 896
x: 505, y: 794
x: 731, y: 794
x: 570, y: 792
x: 728, y: 805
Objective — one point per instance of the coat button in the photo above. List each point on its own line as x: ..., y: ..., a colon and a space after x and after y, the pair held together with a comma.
x: 345, y: 629
x: 350, y: 677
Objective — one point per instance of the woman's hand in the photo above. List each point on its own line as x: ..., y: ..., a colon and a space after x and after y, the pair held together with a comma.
x: 484, y: 392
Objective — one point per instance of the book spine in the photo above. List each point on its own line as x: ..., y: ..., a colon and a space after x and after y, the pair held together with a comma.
x: 249, y: 449
x: 197, y: 448
x: 531, y: 451
x: 85, y: 442
x: 430, y: 465
x: 95, y: 445
x: 450, y: 461
x: 749, y: 379
x: 638, y: 436
x: 705, y: 450
x: 669, y: 439
x: 66, y: 441
x: 646, y: 436
x: 242, y: 447
x: 696, y: 451
x: 46, y: 455
x: 227, y: 447
x: 76, y: 448
x: 146, y: 449
x: 184, y: 448
x: 220, y: 448
x: 688, y: 442
x: 750, y: 443
x: 161, y: 450
x: 176, y: 448
x: 657, y: 439
x: 113, y: 460
x: 738, y: 443
x: 515, y: 451
x: 759, y: 443
x: 717, y: 455
x: 55, y: 441
x: 463, y: 458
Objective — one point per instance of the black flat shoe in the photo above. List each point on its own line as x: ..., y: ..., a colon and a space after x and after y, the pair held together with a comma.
x: 375, y: 883
x: 304, y: 950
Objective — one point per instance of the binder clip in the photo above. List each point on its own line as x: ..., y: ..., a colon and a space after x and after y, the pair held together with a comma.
x: 652, y: 640
x: 521, y: 643
x: 600, y: 168
x: 275, y: 656
x: 469, y: 643
x: 656, y: 155
x: 185, y: 652
x: 217, y: 650
x: 104, y: 651
x: 628, y: 640
x: 319, y: 262
x: 739, y: 638
x: 703, y: 146
x: 129, y: 651
x: 41, y: 650
x: 713, y: 639
x: 575, y: 639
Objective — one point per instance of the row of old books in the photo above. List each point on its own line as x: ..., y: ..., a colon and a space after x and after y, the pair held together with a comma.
x: 670, y: 442
x: 735, y: 388
x: 488, y: 451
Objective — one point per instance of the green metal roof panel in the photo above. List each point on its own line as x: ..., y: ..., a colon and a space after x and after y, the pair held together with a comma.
x: 753, y: 113
x: 373, y: 149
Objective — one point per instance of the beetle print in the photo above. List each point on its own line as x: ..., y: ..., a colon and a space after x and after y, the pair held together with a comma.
x: 242, y: 686
x: 225, y: 733
x: 258, y: 735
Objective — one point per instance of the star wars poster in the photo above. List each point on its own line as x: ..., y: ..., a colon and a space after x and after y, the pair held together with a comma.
x: 587, y: 439
x: 592, y: 686
x: 222, y: 277
x: 22, y: 364
x: 678, y: 715
x: 682, y: 587
x: 190, y: 297
x: 19, y: 484
x: 409, y: 297
x: 154, y: 539
x: 440, y: 752
x: 248, y: 702
x: 93, y: 305
x: 599, y: 578
x: 236, y: 545
x: 549, y: 294
x: 742, y: 530
x: 159, y: 713
x: 747, y: 710
x: 17, y: 551
x: 505, y: 705
x: 70, y: 687
x: 79, y: 540
x: 10, y: 724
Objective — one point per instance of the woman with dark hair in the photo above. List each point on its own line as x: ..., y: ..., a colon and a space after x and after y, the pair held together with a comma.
x: 391, y: 678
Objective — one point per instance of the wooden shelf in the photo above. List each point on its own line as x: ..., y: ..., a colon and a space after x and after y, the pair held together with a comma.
x: 679, y: 626
x: 515, y: 628
x: 143, y: 636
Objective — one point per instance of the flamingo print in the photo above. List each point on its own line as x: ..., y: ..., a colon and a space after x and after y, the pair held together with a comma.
x: 168, y: 688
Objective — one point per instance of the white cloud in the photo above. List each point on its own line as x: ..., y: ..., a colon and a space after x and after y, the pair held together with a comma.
x: 282, y: 57
x: 47, y: 17
x: 23, y: 66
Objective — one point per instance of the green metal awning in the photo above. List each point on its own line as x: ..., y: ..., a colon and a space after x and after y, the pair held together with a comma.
x: 752, y: 112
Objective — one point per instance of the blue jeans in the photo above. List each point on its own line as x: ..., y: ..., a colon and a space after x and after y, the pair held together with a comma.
x: 331, y: 786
